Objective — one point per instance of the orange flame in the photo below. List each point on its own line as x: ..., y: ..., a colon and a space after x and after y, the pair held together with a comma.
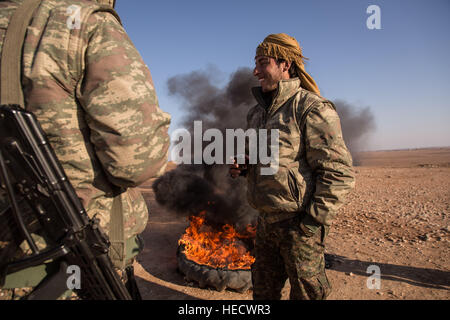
x: 218, y: 249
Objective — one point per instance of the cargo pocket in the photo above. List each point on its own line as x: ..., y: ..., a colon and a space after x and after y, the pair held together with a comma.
x: 135, y: 213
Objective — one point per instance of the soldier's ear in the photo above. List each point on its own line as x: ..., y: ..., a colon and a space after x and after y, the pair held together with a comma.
x: 287, y: 66
x: 284, y: 65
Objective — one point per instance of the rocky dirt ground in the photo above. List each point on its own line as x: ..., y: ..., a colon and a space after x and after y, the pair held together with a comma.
x: 397, y: 219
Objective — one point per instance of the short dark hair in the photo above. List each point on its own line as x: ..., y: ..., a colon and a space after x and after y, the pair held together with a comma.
x: 292, y: 69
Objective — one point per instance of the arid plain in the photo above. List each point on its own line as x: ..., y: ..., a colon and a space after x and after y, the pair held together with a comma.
x: 396, y: 219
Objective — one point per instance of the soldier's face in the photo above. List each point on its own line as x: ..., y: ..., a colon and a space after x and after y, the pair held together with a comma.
x: 269, y: 73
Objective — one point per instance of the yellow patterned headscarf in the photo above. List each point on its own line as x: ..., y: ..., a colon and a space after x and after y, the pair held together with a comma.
x: 283, y: 46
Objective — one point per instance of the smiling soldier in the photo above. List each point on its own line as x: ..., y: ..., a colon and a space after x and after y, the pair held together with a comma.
x: 298, y: 203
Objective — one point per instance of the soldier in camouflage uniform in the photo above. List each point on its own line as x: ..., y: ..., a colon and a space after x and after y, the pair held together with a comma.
x: 297, y: 203
x: 93, y: 95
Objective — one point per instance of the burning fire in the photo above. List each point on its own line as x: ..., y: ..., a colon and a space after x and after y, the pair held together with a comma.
x: 217, y: 248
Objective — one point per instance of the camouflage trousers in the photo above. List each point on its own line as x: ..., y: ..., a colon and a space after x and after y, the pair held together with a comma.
x: 282, y: 251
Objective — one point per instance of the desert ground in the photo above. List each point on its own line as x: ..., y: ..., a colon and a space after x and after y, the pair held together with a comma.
x: 396, y: 219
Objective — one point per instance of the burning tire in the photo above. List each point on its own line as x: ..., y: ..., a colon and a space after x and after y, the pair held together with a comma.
x: 216, y: 256
x: 218, y: 278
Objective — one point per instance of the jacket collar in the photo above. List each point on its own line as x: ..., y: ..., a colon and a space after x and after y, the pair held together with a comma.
x: 286, y: 89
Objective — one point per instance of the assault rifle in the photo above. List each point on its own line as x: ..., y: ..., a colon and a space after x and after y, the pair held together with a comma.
x: 42, y: 200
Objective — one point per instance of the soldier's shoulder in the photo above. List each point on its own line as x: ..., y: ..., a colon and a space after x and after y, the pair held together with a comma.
x: 312, y: 98
x: 68, y: 3
x: 67, y: 8
x: 316, y: 101
x: 76, y: 9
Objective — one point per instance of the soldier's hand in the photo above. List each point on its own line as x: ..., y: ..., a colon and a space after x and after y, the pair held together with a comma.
x: 237, y: 169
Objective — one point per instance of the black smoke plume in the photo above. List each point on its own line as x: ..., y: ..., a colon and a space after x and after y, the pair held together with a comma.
x: 221, y: 108
x: 357, y: 125
x: 190, y: 189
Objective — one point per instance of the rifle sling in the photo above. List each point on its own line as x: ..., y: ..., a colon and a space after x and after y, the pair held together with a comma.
x: 11, y: 85
x: 116, y: 234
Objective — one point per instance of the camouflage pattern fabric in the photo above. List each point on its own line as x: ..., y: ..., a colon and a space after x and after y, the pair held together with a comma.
x: 95, y: 99
x: 315, y: 174
x: 315, y: 170
x: 282, y: 251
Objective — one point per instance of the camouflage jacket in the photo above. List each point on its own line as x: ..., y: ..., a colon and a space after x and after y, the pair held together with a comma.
x: 93, y: 95
x: 315, y: 167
